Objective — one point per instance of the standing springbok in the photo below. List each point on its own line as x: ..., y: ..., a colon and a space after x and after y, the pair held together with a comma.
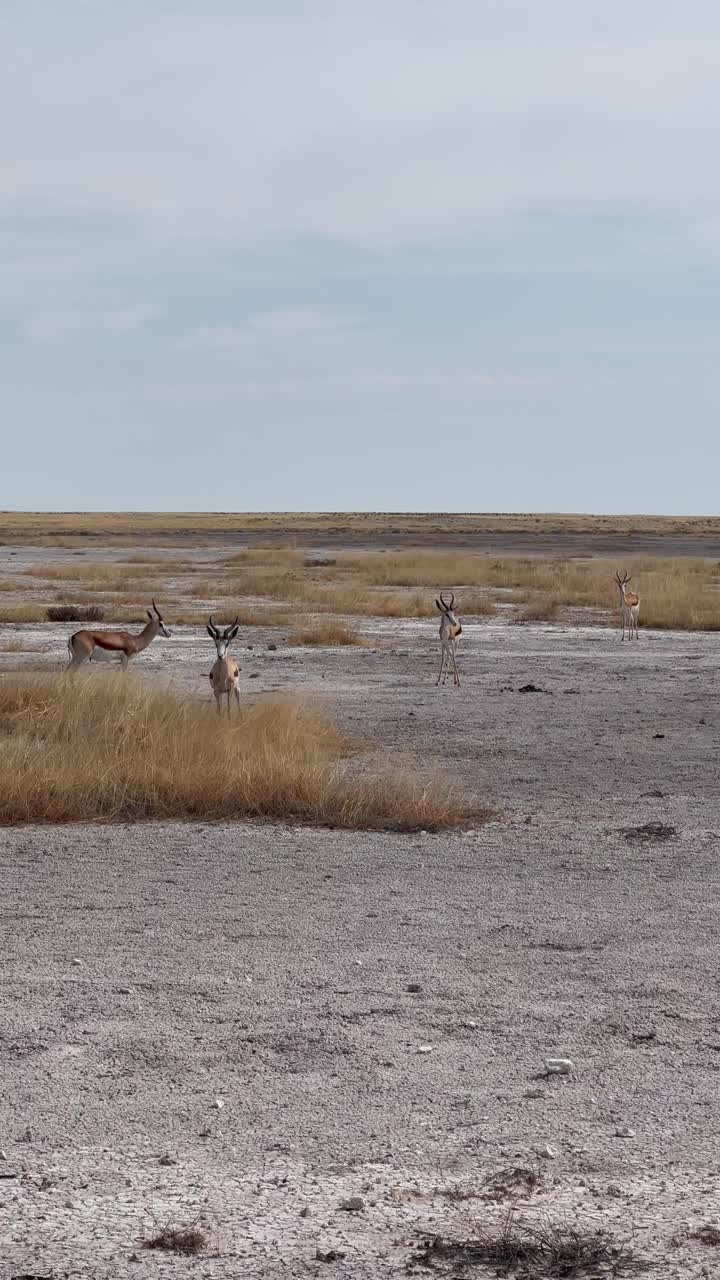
x: 450, y: 629
x: 629, y: 606
x: 82, y: 645
x: 225, y: 675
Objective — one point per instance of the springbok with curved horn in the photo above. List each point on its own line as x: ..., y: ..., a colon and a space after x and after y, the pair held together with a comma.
x: 225, y: 674
x: 450, y: 629
x: 82, y: 645
x: 629, y: 606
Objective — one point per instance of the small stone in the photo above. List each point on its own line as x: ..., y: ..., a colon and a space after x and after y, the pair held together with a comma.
x: 272, y: 647
x: 547, y: 1152
x: 254, y: 675
x: 305, y: 1212
x: 3, y: 1155
x: 167, y: 1159
x: 625, y: 1132
x: 413, y: 987
x: 77, y: 960
x: 470, y: 1024
x: 534, y: 1093
x: 124, y: 991
x: 354, y: 1204
x: 218, y: 1104
x: 559, y: 1066
x: 425, y: 1048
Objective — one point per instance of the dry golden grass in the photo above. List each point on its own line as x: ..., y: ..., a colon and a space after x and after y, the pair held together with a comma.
x: 23, y: 611
x: 329, y: 634
x: 107, y: 747
x: 77, y: 528
x: 540, y: 608
x: 677, y: 592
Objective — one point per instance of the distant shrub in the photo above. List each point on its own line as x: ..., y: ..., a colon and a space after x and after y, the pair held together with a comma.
x: 75, y: 613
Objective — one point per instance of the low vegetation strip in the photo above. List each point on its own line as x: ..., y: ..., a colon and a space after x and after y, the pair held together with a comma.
x: 117, y: 750
x: 332, y: 634
x: 271, y: 585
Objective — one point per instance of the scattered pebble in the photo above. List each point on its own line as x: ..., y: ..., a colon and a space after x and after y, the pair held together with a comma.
x: 124, y: 991
x: 329, y: 1255
x: 547, y: 1152
x: 414, y: 987
x: 625, y: 1132
x: 470, y: 1024
x: 305, y: 1212
x: 354, y: 1204
x: 272, y: 647
x: 559, y: 1066
x: 77, y: 960
x: 425, y: 1048
x: 167, y: 1159
x: 3, y: 1155
x: 534, y: 1093
x: 218, y: 1104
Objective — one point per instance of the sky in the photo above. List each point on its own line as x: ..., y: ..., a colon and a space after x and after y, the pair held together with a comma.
x: 360, y: 255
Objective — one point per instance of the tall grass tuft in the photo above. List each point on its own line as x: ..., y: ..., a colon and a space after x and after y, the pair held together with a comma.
x: 84, y: 749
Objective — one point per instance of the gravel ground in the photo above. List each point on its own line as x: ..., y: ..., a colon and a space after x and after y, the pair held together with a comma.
x: 372, y: 1012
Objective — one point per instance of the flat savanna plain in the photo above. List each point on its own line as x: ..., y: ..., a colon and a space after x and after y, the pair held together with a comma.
x: 372, y: 1010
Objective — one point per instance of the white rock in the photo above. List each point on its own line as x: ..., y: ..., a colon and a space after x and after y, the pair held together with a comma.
x: 547, y: 1152
x: 3, y: 1155
x: 218, y: 1104
x: 425, y: 1048
x: 625, y: 1132
x: 77, y: 960
x: 559, y: 1066
x: 470, y: 1023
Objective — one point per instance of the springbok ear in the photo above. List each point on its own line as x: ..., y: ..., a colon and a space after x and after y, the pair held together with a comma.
x: 233, y: 633
x: 210, y: 631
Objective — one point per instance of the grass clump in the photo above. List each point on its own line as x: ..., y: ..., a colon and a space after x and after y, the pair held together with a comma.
x: 549, y: 1251
x: 100, y: 747
x: 188, y: 1240
x: 74, y: 613
x: 329, y: 634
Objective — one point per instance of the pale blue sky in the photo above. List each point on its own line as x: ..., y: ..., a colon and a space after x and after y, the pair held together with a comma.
x: 360, y: 254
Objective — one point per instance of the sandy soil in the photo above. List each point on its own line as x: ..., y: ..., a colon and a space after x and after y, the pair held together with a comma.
x: 151, y: 972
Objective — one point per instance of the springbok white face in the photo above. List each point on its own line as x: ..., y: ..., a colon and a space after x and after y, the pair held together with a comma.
x: 160, y: 624
x: 447, y: 609
x: 622, y: 582
x: 223, y: 639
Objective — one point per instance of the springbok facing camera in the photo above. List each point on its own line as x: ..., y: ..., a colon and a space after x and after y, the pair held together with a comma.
x: 225, y: 674
x: 83, y: 644
x: 629, y: 606
x: 450, y: 629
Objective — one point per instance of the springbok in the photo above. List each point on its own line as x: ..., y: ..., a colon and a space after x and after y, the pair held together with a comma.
x: 629, y: 606
x: 225, y: 675
x: 82, y: 645
x: 450, y: 629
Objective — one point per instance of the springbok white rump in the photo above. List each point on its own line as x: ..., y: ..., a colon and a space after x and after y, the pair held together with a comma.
x: 629, y: 606
x: 225, y: 674
x: 83, y: 644
x: 450, y: 629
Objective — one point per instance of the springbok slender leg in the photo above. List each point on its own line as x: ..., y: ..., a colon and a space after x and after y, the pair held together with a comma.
x: 442, y: 663
x: 456, y: 674
x: 237, y: 696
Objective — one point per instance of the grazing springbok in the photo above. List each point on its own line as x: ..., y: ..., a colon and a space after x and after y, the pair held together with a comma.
x: 82, y: 645
x: 629, y: 606
x: 450, y: 629
x: 225, y: 675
